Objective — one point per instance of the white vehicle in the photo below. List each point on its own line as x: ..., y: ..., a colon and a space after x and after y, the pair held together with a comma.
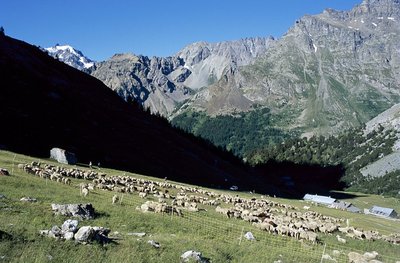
x: 234, y: 188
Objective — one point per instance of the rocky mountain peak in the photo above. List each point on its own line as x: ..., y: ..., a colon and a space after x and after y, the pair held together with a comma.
x: 379, y: 8
x: 124, y: 57
x: 241, y: 51
x: 330, y: 71
x: 163, y: 84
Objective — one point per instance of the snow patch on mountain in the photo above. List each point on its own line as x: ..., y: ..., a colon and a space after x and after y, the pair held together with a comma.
x: 70, y: 56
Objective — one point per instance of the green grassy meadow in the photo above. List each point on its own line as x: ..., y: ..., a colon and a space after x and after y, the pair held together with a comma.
x: 218, y: 238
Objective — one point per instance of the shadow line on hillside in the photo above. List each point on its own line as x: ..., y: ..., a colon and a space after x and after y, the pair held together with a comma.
x: 295, y: 180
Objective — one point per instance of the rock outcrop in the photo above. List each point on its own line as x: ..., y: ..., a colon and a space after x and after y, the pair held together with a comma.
x: 85, y: 234
x: 193, y: 256
x: 83, y: 211
x: 330, y: 71
x: 62, y: 156
x: 163, y: 84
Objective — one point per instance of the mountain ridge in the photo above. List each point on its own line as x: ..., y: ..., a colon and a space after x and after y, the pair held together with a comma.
x: 163, y: 84
x: 315, y: 68
x: 331, y: 71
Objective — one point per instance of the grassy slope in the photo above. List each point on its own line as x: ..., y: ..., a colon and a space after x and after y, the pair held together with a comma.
x: 208, y: 232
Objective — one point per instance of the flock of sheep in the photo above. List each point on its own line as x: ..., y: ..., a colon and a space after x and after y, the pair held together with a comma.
x: 263, y: 213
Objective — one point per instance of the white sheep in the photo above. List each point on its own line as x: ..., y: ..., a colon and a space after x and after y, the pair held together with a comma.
x: 115, y: 199
x: 341, y: 240
x: 142, y: 194
x: 370, y: 255
x: 85, y: 191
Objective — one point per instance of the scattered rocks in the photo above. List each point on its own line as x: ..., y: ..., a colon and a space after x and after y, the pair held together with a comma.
x: 101, y: 235
x: 366, y: 257
x: 28, y: 199
x: 193, y: 256
x: 249, y: 236
x: 140, y: 234
x: 115, y: 235
x: 83, y: 211
x: 62, y: 156
x: 4, y: 172
x: 55, y: 231
x: 70, y: 225
x: 154, y: 243
x: 85, y: 234
x: 44, y: 232
x: 68, y: 235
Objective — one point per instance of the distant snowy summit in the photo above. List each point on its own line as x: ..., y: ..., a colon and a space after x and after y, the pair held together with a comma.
x: 70, y: 56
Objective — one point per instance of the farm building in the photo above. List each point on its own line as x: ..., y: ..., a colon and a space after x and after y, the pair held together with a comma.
x: 320, y: 199
x: 341, y: 205
x: 383, y: 211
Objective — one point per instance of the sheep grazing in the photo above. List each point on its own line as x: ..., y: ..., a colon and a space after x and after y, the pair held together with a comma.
x: 341, y: 240
x: 115, y: 199
x: 370, y: 255
x: 142, y: 194
x: 66, y: 181
x: 266, y: 214
x: 85, y: 191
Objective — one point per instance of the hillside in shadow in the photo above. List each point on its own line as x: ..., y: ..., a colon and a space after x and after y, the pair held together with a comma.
x: 294, y: 180
x: 45, y: 103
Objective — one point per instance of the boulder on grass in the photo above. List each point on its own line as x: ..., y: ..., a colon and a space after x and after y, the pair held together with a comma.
x: 249, y: 236
x: 193, y: 256
x: 62, y: 156
x: 70, y: 225
x: 85, y: 234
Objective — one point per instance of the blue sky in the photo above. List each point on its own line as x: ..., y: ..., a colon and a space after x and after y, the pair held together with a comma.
x: 101, y: 28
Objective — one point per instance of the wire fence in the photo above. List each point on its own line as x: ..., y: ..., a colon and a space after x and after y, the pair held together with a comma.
x: 214, y: 227
x: 277, y: 248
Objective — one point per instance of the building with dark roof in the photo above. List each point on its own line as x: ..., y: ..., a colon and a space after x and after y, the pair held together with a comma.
x: 347, y: 206
x: 319, y: 199
x: 383, y: 211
